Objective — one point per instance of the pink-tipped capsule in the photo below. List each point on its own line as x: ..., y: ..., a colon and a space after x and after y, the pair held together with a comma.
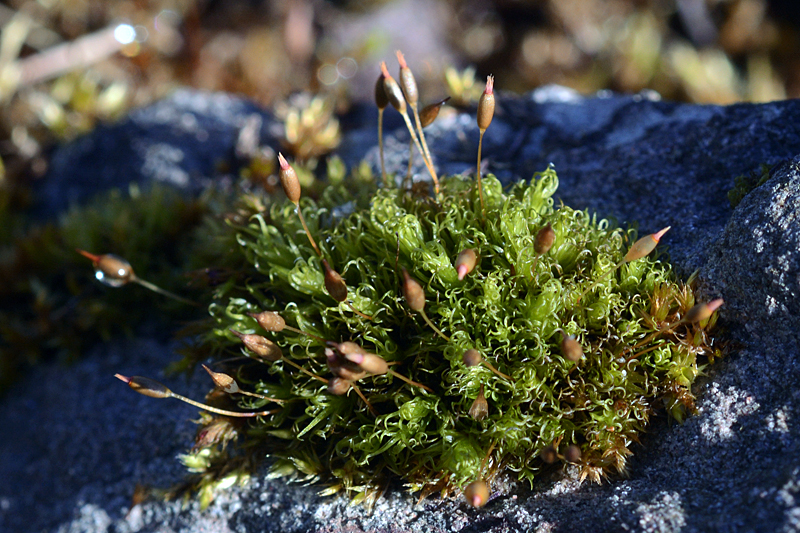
x: 289, y: 181
x: 477, y: 493
x: 486, y: 105
x: 701, y: 312
x: 465, y: 262
x: 645, y: 245
x: 393, y: 91
x: 148, y: 387
x: 110, y: 269
x: 334, y: 283
x: 407, y: 81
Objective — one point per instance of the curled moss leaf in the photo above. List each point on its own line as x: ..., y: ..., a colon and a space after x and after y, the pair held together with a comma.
x: 411, y: 412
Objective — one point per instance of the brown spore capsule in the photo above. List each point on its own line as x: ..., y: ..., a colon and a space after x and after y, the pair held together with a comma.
x: 544, y: 239
x: 334, y: 283
x: 413, y: 292
x: 393, y: 91
x: 486, y: 105
x: 381, y: 100
x: 222, y: 380
x: 429, y: 113
x: 110, y: 269
x: 572, y: 453
x: 477, y: 493
x: 472, y: 357
x: 339, y: 386
x: 549, y: 455
x: 570, y: 348
x: 289, y: 181
x: 480, y: 407
x: 465, y: 262
x: 261, y: 346
x: 269, y: 320
x: 407, y: 81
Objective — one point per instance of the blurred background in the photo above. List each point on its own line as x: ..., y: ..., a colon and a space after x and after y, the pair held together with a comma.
x: 67, y: 64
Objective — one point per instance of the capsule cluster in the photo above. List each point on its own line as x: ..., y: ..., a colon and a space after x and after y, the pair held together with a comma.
x: 444, y: 340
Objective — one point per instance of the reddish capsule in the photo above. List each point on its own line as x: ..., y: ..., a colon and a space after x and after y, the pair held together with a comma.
x: 146, y: 386
x: 429, y: 113
x: 381, y: 100
x: 472, y: 357
x: 570, y: 348
x: 645, y: 245
x: 222, y: 380
x: 289, y: 181
x: 465, y: 262
x: 393, y: 91
x: 269, y: 320
x: 407, y: 81
x: 261, y: 346
x: 480, y: 407
x: 338, y: 386
x: 701, y: 312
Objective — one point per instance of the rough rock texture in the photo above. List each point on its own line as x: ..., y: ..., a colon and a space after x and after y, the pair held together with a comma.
x: 75, y: 443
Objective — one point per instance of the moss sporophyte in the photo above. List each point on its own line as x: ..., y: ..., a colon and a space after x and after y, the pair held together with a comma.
x: 442, y: 340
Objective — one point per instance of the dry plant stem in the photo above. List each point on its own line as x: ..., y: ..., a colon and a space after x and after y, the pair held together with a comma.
x: 428, y: 320
x: 261, y: 396
x: 308, y: 233
x: 486, y: 457
x: 364, y: 398
x: 380, y: 148
x: 414, y: 138
x: 493, y: 369
x: 301, y: 332
x: 303, y: 370
x: 410, y: 382
x: 426, y: 154
x: 359, y: 313
x: 480, y: 186
x: 159, y: 290
x: 407, y: 182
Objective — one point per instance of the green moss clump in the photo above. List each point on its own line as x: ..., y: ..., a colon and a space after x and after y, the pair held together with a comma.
x: 512, y: 308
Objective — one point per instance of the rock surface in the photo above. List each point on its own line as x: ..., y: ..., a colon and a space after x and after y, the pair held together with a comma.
x: 75, y: 444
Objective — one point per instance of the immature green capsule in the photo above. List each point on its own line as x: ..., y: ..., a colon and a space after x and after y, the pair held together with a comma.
x: 465, y: 262
x: 334, y: 283
x: 477, y: 493
x: 269, y: 320
x: 289, y: 181
x: 413, y: 292
x: 486, y: 105
x: 544, y: 240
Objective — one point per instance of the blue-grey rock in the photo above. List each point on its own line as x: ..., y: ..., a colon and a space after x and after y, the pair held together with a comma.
x: 75, y: 443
